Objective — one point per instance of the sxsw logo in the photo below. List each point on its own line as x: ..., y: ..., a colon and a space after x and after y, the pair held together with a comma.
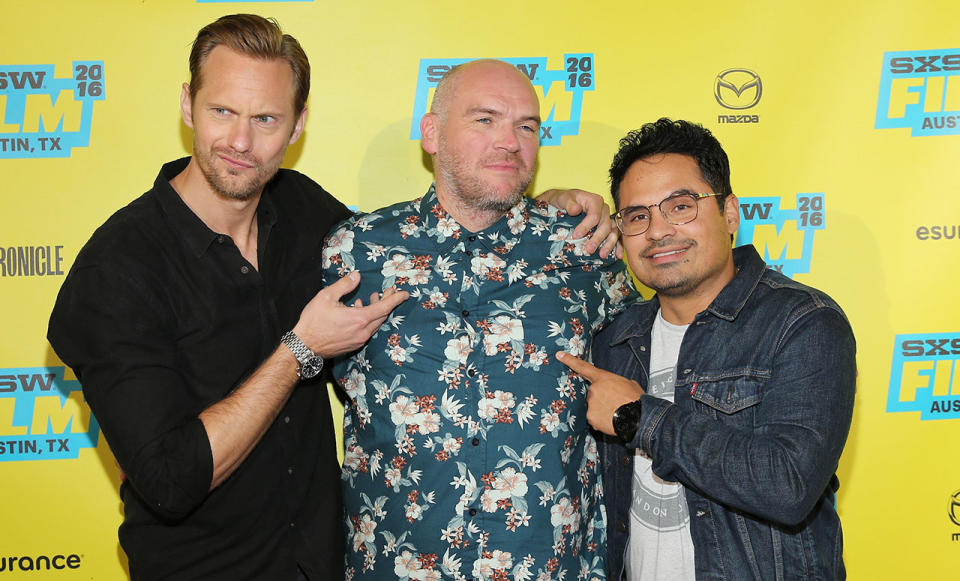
x: 560, y: 91
x: 44, y: 116
x: 920, y: 89
x: 925, y: 375
x: 782, y: 236
x: 43, y: 416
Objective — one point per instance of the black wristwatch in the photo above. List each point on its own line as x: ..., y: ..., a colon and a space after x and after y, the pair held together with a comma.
x: 626, y: 420
x: 310, y: 362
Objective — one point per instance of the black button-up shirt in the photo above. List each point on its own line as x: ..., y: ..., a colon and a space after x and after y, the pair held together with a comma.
x: 160, y: 317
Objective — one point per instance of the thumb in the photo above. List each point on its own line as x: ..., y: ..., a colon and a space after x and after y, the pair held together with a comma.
x: 344, y: 286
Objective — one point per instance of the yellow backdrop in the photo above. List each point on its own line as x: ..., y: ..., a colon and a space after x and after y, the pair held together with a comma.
x: 840, y: 119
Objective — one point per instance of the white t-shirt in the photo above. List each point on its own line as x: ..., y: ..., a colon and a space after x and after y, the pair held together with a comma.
x: 660, y: 546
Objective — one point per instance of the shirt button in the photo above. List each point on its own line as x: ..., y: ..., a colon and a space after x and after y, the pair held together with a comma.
x: 473, y: 512
x: 220, y: 239
x: 622, y: 526
x: 471, y: 372
x: 625, y: 460
x: 289, y: 470
x: 286, y: 419
x: 244, y: 269
x: 685, y: 371
x: 292, y: 525
x: 465, y: 313
x: 472, y: 238
x: 475, y: 441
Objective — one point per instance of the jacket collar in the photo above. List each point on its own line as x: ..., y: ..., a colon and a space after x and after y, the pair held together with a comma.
x: 638, y: 319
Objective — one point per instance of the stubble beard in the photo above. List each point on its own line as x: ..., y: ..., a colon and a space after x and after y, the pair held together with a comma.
x: 227, y: 183
x: 472, y: 192
x: 669, y: 283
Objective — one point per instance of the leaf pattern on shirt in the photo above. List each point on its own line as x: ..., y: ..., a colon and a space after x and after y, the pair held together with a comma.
x: 467, y: 449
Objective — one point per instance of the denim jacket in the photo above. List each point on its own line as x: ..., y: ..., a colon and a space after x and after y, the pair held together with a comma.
x: 763, y: 403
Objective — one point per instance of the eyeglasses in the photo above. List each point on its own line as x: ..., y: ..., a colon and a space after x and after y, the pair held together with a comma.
x: 677, y: 209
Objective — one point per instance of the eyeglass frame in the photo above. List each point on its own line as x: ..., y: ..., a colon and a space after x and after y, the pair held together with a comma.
x: 618, y: 218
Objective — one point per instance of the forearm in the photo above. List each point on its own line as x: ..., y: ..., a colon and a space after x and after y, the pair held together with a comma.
x: 235, y: 424
x: 777, y: 477
x: 773, y: 457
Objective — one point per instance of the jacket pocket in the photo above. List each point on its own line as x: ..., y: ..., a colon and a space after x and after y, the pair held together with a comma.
x: 729, y: 393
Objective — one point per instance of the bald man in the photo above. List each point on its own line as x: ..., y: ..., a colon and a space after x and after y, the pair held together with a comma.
x: 468, y: 454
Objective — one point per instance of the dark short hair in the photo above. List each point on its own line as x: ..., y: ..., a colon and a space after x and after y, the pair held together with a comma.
x: 669, y: 136
x: 253, y: 36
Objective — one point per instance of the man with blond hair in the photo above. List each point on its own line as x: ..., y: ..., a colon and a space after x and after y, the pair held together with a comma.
x: 192, y: 320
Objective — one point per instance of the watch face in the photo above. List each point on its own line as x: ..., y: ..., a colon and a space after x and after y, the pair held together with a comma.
x: 626, y: 420
x: 311, y: 367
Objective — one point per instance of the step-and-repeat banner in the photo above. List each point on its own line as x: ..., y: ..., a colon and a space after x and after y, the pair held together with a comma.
x: 841, y: 120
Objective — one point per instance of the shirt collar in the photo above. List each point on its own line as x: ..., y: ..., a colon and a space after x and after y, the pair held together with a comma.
x: 196, y: 235
x: 500, y: 237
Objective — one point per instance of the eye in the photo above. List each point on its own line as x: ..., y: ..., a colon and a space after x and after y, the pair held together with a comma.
x: 265, y: 119
x: 485, y: 120
x: 636, y: 215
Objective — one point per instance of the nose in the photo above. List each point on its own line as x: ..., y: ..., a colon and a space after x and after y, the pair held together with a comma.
x: 659, y: 227
x: 240, y: 136
x: 507, y: 138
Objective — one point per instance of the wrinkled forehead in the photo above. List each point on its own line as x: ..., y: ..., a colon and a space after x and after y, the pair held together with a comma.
x: 651, y: 179
x: 494, y: 81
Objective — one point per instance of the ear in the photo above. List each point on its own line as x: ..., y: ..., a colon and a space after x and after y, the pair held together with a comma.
x: 298, y: 127
x: 429, y: 138
x: 731, y: 212
x: 186, y: 106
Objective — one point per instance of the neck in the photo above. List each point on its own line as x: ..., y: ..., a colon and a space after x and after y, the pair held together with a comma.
x: 681, y: 309
x: 235, y: 218
x: 467, y: 215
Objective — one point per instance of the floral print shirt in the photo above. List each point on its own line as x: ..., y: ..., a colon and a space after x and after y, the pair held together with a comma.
x: 467, y: 449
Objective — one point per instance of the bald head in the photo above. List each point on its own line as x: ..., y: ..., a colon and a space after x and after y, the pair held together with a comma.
x: 448, y: 86
x: 483, y: 131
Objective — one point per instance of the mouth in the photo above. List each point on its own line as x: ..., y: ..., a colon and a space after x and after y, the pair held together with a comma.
x: 506, y: 165
x: 665, y: 256
x: 234, y: 163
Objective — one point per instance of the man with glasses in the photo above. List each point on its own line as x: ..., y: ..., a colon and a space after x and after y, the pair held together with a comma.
x: 726, y: 400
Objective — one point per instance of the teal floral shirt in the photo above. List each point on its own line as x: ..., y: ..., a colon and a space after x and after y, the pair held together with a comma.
x: 467, y: 449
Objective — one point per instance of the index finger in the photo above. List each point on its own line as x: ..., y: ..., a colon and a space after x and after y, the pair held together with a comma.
x: 583, y: 368
x: 597, y: 216
x: 381, y: 308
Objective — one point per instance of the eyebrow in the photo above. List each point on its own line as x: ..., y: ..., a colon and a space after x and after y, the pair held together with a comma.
x: 672, y: 194
x: 498, y: 113
x: 216, y: 105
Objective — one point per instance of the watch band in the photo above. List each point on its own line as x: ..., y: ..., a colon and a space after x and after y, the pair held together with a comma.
x: 309, y: 363
x: 626, y: 420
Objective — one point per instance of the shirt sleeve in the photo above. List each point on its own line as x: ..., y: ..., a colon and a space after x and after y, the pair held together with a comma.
x: 111, y: 329
x: 777, y: 468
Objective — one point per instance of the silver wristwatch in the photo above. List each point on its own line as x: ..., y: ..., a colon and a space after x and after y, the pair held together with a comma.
x: 310, y: 362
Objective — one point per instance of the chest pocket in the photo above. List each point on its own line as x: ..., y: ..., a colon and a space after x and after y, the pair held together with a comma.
x: 732, y: 397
